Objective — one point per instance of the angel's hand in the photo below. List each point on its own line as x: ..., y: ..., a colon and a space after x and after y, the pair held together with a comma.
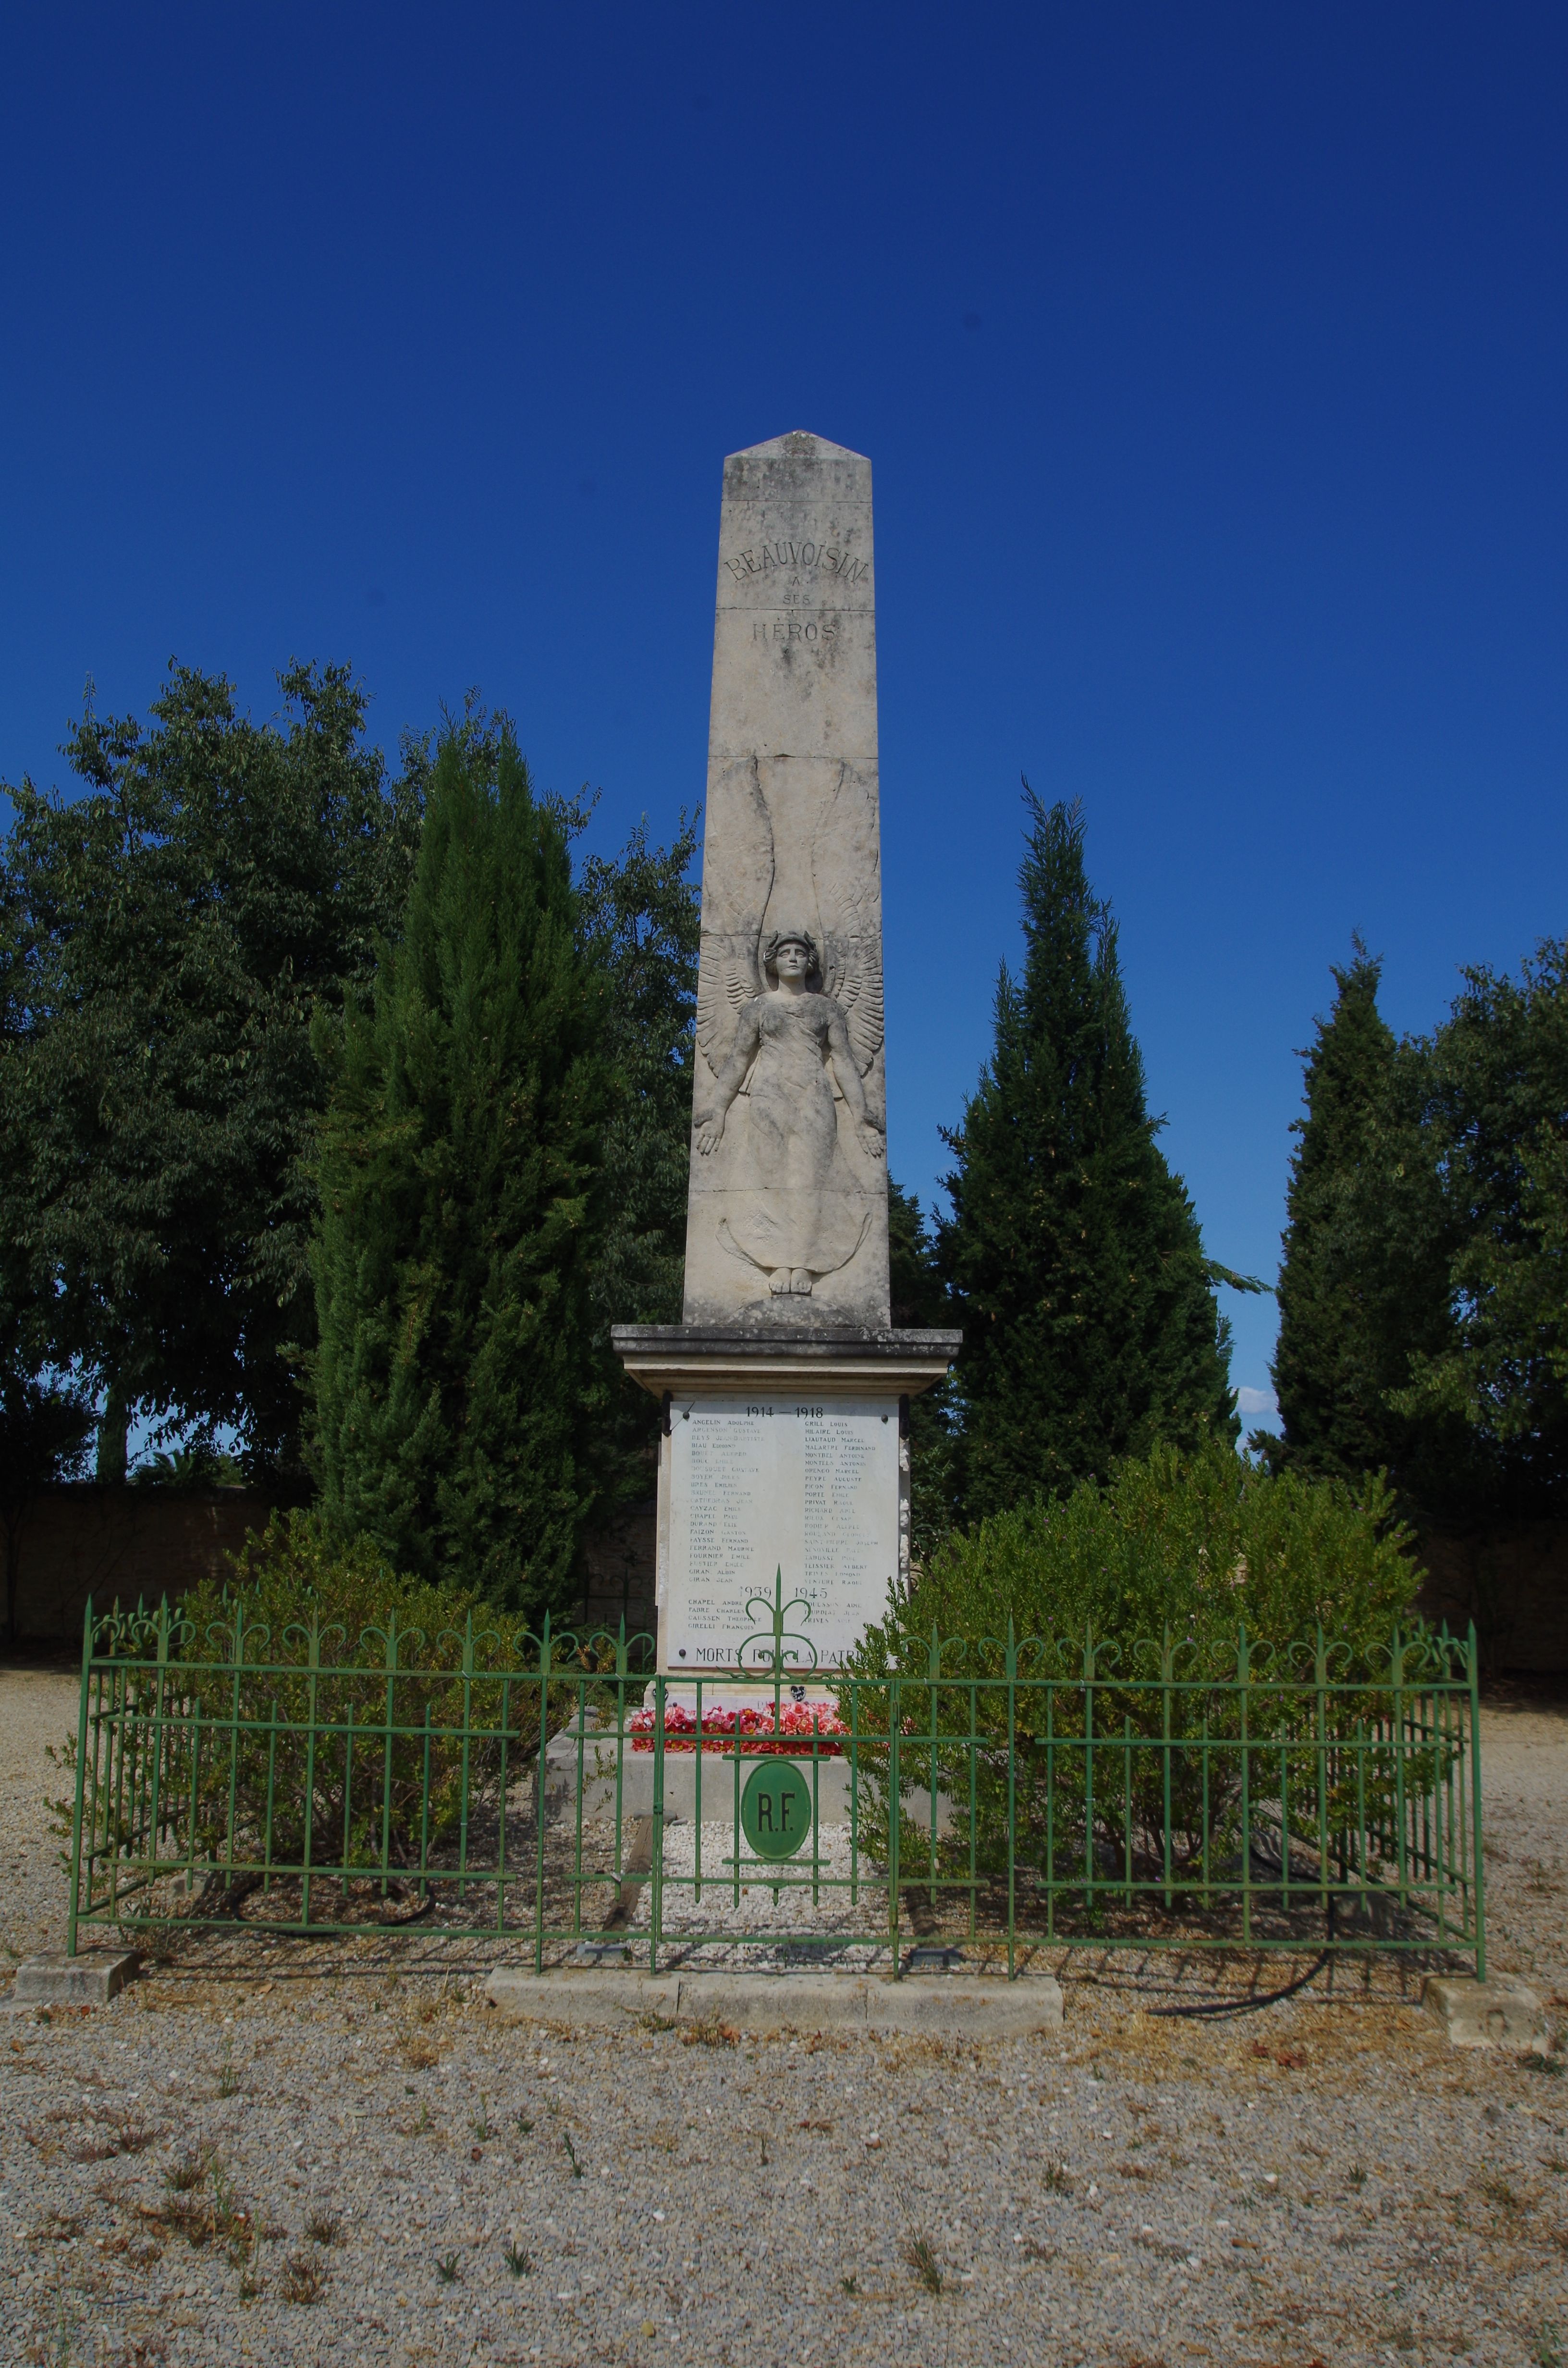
x: 871, y: 1135
x: 710, y: 1132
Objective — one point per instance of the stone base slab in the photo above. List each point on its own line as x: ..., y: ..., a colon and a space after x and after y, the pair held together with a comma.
x: 941, y: 2005
x: 56, y: 1979
x: 1500, y: 2012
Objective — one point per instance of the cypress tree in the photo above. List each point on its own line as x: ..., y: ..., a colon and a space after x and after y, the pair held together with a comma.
x: 641, y: 925
x: 1363, y: 1285
x: 921, y: 1302
x: 1072, y: 1253
x: 456, y: 1384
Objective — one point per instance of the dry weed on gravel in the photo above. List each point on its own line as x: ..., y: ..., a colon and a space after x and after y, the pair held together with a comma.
x: 291, y: 2168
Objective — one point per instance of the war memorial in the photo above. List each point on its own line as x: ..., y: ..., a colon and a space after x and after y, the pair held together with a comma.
x: 784, y: 1453
x: 995, y: 1981
x: 763, y: 1783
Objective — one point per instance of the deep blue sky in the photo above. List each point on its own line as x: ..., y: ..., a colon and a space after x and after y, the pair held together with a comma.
x: 1212, y: 360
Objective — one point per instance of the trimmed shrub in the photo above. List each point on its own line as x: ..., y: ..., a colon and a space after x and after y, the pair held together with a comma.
x: 1201, y: 1546
x: 411, y: 1689
x: 1171, y: 1607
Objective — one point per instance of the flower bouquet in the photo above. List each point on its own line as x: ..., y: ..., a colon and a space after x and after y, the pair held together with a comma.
x: 750, y: 1730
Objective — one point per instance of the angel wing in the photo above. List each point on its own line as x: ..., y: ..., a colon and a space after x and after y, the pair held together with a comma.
x: 737, y: 880
x: 844, y: 870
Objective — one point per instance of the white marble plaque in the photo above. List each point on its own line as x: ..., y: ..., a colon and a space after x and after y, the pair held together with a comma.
x: 806, y: 1487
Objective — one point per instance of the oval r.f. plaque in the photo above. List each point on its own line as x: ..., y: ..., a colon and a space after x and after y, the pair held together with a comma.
x: 776, y: 1810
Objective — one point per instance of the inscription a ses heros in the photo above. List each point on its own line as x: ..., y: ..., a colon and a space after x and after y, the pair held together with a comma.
x: 795, y: 629
x: 762, y: 561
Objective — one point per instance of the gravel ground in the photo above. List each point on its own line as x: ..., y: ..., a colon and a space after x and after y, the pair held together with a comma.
x: 280, y: 2167
x: 762, y: 1908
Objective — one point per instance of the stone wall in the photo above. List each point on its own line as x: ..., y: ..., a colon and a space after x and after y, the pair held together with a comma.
x: 1513, y: 1582
x: 80, y: 1540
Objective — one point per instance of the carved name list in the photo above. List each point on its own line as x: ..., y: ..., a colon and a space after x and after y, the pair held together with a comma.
x: 809, y: 1487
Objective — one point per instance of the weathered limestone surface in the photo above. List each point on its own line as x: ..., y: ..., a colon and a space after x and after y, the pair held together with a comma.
x: 787, y: 1219
x: 1501, y: 2012
x: 944, y: 2006
x: 54, y: 1977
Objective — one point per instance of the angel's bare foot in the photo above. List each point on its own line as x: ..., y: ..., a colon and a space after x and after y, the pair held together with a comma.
x: 800, y: 1283
x: 779, y: 1282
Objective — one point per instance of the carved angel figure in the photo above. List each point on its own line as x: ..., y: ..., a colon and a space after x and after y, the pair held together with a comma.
x: 787, y: 1039
x: 790, y: 1018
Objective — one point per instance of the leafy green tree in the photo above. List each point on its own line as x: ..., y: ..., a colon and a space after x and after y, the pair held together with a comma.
x: 168, y: 937
x: 46, y: 1421
x: 1364, y: 1282
x: 1071, y: 1252
x: 187, y: 1469
x: 458, y: 1390
x: 1496, y: 1376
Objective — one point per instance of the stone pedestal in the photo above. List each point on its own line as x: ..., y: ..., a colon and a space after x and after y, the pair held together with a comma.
x: 783, y: 1489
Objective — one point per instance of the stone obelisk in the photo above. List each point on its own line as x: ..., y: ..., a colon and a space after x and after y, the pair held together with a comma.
x: 787, y: 1219
x: 785, y: 1390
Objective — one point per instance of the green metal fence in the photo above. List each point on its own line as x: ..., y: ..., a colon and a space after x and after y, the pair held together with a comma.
x: 995, y: 1797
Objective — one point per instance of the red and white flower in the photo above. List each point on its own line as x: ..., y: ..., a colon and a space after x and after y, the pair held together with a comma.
x: 752, y: 1730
